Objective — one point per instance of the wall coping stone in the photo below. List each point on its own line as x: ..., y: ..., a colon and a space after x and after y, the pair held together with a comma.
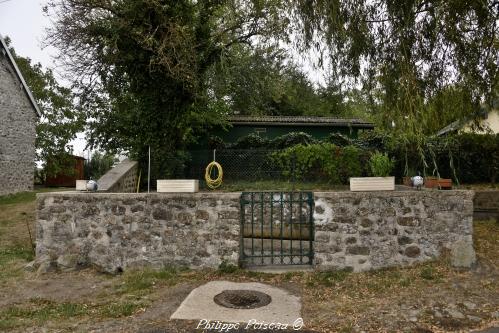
x: 113, y: 176
x: 396, y: 193
x: 228, y: 195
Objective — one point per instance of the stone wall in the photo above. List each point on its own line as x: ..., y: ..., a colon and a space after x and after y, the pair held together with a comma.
x: 353, y: 230
x: 17, y: 132
x: 122, y: 178
x: 486, y: 204
x: 114, y: 232
x: 370, y: 230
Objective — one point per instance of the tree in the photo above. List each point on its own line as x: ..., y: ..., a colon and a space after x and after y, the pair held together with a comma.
x: 60, y: 121
x: 264, y: 81
x: 260, y: 81
x: 407, y: 53
x: 99, y: 164
x: 141, y: 65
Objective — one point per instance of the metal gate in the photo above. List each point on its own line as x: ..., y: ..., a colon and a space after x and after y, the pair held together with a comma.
x: 277, y: 228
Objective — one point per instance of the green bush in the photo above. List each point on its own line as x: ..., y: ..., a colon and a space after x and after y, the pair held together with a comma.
x: 320, y: 161
x: 292, y: 139
x: 380, y: 165
x: 251, y: 141
x: 339, y: 140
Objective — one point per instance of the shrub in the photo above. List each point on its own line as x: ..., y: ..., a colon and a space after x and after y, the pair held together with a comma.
x: 292, y: 139
x: 227, y: 268
x: 320, y: 161
x: 373, y: 140
x: 351, y: 162
x: 339, y: 140
x: 250, y: 141
x: 380, y: 165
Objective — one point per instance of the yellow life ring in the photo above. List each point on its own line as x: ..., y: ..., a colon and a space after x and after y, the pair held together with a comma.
x: 213, y: 183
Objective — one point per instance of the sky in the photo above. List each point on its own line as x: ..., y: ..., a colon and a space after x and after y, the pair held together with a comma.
x: 24, y: 22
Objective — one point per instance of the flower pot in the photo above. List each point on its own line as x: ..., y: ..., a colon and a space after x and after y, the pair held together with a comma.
x: 178, y: 185
x: 81, y: 185
x: 372, y: 184
x: 440, y: 183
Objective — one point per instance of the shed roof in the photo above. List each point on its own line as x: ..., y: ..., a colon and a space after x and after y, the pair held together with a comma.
x: 299, y: 121
x: 25, y: 87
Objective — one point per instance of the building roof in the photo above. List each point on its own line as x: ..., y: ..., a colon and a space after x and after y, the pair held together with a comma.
x: 460, y: 123
x: 299, y: 121
x: 6, y: 51
x: 454, y: 126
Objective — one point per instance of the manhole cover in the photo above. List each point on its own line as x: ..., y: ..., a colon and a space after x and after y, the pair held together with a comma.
x: 242, y: 299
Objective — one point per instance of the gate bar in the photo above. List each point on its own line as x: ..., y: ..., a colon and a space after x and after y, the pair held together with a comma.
x: 262, y: 221
x: 271, y: 230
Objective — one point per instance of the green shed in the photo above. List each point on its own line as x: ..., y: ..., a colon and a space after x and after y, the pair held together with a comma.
x: 271, y: 127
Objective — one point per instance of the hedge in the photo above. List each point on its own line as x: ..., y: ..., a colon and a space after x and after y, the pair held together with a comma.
x: 466, y: 158
x: 322, y: 161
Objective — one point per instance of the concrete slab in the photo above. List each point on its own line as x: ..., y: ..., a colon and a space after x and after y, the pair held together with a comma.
x: 284, y: 308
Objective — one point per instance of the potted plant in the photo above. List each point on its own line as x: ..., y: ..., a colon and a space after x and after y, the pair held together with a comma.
x: 380, y: 166
x: 437, y: 182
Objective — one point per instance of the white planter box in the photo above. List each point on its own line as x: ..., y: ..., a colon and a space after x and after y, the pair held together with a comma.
x: 81, y: 185
x: 372, y: 184
x: 178, y: 185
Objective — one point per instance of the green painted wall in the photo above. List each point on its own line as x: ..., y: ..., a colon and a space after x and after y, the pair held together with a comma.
x: 271, y: 132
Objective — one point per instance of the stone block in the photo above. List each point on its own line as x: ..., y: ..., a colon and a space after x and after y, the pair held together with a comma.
x: 412, y: 251
x: 358, y: 250
x: 463, y: 254
x: 408, y: 221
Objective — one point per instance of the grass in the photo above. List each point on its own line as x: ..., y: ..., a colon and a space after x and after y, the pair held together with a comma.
x: 17, y: 198
x: 141, y: 281
x: 15, y: 253
x: 327, y: 279
x: 25, y: 197
x: 12, y: 259
x: 120, y: 309
x: 39, y: 311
